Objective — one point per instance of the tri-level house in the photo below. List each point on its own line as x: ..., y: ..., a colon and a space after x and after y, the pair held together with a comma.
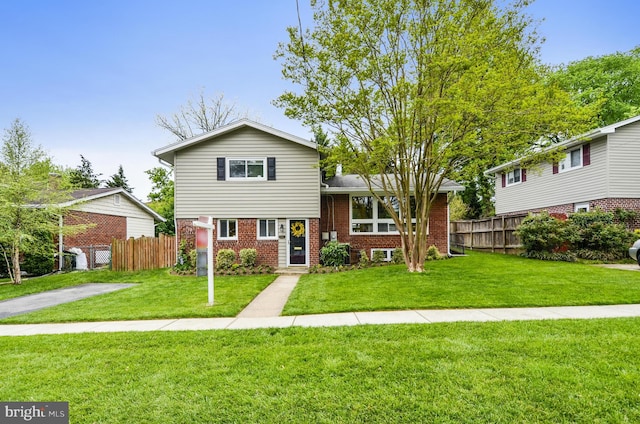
x: 263, y: 187
x: 599, y: 170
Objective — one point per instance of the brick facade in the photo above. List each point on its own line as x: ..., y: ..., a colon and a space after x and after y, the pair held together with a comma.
x: 607, y: 205
x: 267, y: 250
x: 335, y: 217
x: 106, y: 228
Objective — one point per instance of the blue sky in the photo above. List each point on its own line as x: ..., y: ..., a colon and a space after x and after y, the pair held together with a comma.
x: 89, y: 77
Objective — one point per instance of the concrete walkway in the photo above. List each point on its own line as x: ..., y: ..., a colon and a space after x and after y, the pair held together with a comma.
x: 271, y: 301
x: 264, y: 312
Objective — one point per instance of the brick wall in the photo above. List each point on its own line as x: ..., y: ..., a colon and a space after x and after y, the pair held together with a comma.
x: 106, y: 227
x: 335, y: 216
x: 607, y: 205
x: 267, y: 250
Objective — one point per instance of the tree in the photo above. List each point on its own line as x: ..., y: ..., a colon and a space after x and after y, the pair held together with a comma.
x: 610, y: 83
x: 119, y: 180
x: 27, y: 201
x: 84, y: 176
x: 416, y: 91
x: 161, y: 197
x: 200, y: 116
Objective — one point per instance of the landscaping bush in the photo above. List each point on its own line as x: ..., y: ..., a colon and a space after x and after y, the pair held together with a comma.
x: 364, y: 259
x: 225, y: 258
x: 186, y: 258
x: 397, y: 257
x: 334, y: 254
x: 248, y: 257
x: 598, y: 237
x: 542, y: 233
x: 433, y: 254
x: 377, y: 257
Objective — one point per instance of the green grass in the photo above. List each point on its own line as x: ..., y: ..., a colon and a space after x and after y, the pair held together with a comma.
x: 158, y: 294
x: 554, y: 371
x: 479, y: 280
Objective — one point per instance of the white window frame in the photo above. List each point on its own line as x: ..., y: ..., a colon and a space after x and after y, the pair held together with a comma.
x: 388, y: 253
x: 374, y: 221
x: 565, y: 164
x: 219, y: 228
x: 116, y: 199
x: 512, y: 175
x: 582, y: 205
x: 246, y: 160
x: 267, y: 237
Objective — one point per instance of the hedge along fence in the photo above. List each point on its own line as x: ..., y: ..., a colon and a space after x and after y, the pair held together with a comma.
x: 143, y: 253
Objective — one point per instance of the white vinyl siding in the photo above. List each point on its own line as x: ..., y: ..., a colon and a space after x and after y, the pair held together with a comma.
x: 140, y: 227
x: 107, y: 206
x: 624, y: 157
x: 295, y: 192
x: 544, y: 188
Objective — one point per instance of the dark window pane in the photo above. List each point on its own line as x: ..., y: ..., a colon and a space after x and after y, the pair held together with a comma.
x: 362, y: 207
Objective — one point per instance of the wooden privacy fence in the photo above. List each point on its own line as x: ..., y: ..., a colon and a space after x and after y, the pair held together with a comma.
x: 494, y: 234
x: 143, y: 253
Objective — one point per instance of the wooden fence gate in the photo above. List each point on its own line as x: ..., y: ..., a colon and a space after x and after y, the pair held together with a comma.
x: 143, y: 253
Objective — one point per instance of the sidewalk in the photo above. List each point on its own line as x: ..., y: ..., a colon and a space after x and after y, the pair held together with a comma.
x: 264, y: 312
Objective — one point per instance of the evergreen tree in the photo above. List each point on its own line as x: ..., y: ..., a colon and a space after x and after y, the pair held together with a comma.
x: 84, y: 176
x: 119, y: 180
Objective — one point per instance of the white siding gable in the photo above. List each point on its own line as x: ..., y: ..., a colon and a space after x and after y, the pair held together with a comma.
x: 295, y: 191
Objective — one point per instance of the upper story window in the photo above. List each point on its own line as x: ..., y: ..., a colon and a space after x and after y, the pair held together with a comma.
x: 245, y: 169
x: 573, y: 160
x: 227, y: 229
x: 116, y: 199
x: 514, y: 177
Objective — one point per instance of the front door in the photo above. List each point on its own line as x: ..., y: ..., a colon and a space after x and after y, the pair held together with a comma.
x: 298, y: 242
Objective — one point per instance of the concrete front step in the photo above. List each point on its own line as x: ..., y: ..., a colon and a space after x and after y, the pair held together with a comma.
x: 292, y: 271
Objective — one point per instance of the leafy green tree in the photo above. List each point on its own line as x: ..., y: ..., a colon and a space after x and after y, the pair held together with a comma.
x: 27, y: 201
x: 161, y: 196
x: 609, y: 83
x: 84, y: 176
x: 417, y: 91
x: 119, y: 180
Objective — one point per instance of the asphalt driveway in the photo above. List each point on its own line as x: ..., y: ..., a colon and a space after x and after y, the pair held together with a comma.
x: 33, y: 302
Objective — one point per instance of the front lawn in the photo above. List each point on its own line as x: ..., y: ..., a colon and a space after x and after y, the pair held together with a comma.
x: 479, y: 280
x: 158, y: 294
x: 525, y: 372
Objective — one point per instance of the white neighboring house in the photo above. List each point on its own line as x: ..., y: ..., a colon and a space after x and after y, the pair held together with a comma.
x: 598, y: 171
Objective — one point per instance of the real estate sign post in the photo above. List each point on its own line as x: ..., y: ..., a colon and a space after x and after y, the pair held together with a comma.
x: 206, y: 223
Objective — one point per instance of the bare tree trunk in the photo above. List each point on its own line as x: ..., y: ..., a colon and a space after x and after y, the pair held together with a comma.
x: 17, y: 277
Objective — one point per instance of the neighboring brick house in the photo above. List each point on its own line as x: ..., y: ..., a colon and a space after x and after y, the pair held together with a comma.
x: 110, y: 213
x: 598, y: 171
x: 263, y: 187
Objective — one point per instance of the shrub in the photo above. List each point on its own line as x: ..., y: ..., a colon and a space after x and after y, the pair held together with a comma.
x: 397, y: 257
x: 433, y: 254
x: 248, y: 257
x: 542, y: 233
x: 334, y: 254
x: 225, y: 258
x: 597, y: 237
x: 377, y: 256
x: 364, y: 259
x: 186, y: 258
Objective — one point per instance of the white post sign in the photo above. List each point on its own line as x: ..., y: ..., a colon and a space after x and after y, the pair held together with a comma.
x: 208, y: 225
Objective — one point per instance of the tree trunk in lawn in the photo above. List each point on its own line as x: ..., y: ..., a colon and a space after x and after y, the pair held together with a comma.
x: 17, y: 277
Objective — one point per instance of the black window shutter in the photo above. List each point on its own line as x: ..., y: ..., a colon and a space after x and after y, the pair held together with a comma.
x: 524, y: 175
x: 504, y: 180
x: 271, y: 169
x: 221, y: 166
